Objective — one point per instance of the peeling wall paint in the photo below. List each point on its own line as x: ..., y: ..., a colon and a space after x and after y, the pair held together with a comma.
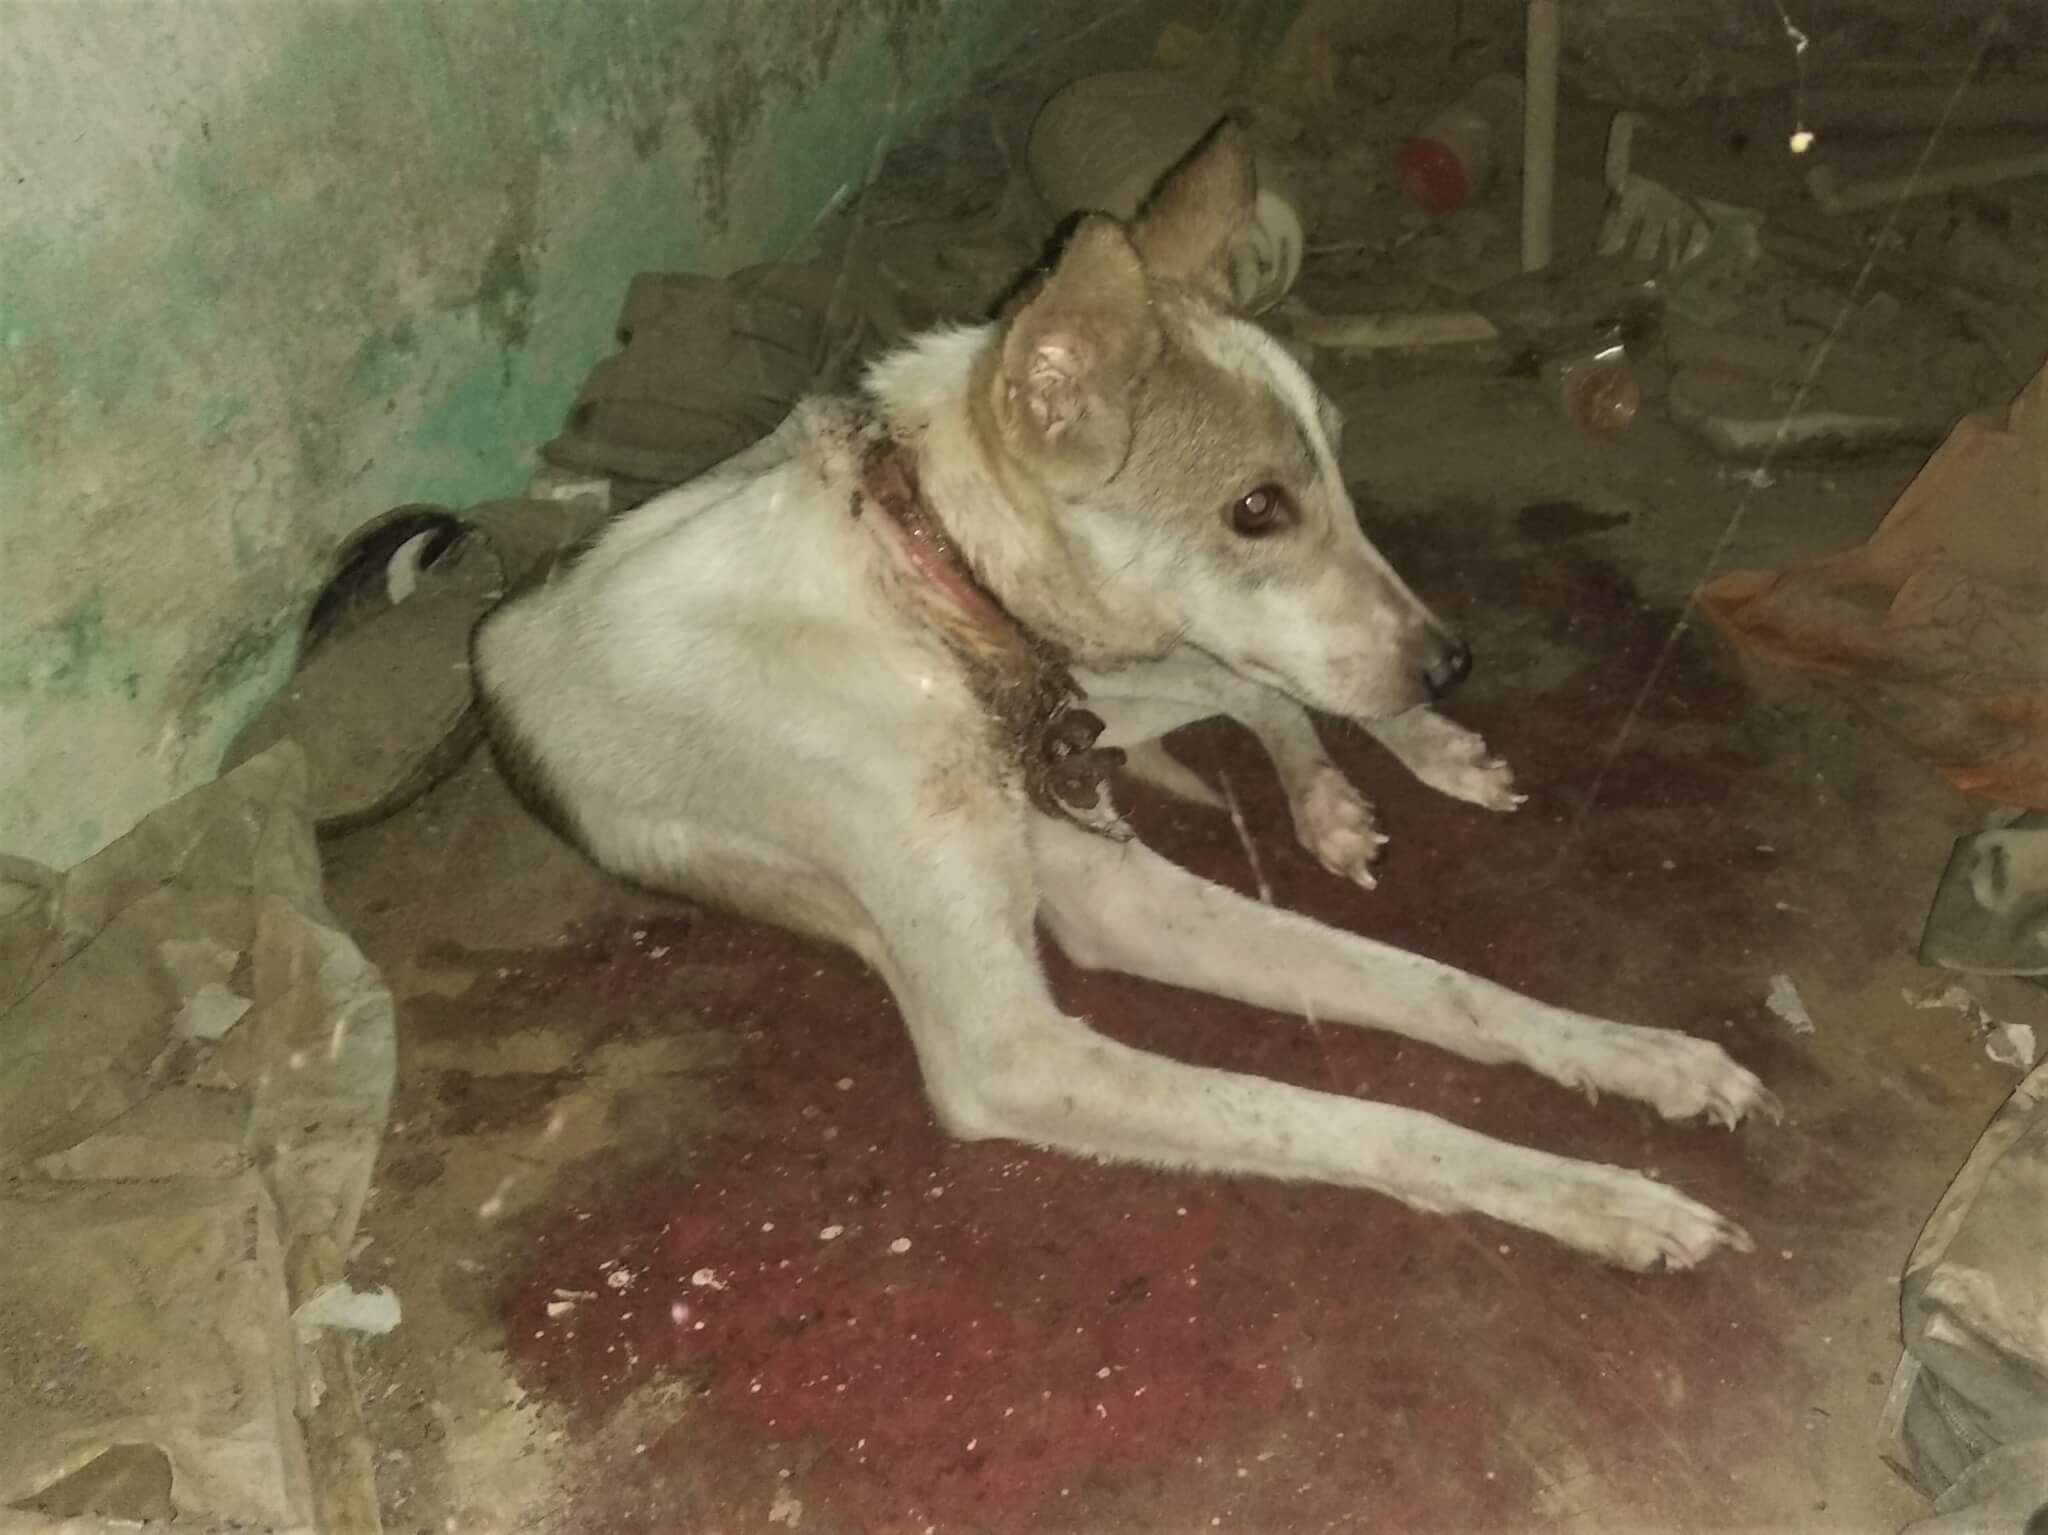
x: 266, y: 269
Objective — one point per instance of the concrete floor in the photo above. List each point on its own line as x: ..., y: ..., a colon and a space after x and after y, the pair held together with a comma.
x: 680, y: 1249
x: 626, y: 1126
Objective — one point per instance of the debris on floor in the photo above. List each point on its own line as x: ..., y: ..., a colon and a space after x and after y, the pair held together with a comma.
x: 1705, y: 250
x: 1830, y: 380
x: 1990, y: 914
x: 1350, y: 333
x: 381, y: 704
x: 195, y: 1068
x: 1461, y: 149
x: 705, y: 367
x: 2009, y: 1044
x: 1670, y: 55
x: 1937, y: 620
x: 1103, y: 143
x: 1788, y: 1006
x: 1967, y: 1417
x: 336, y: 1305
x: 1835, y: 194
x: 2012, y: 1044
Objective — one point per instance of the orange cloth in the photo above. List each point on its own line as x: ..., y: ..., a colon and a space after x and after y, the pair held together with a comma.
x: 1941, y: 619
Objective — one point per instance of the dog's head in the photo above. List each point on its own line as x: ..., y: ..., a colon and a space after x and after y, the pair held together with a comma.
x: 1189, y: 465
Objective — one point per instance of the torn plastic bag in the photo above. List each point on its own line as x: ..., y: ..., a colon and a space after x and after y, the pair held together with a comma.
x: 1967, y: 1417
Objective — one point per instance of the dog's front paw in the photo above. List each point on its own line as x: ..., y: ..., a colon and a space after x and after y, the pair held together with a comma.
x: 1638, y: 1223
x: 1487, y: 782
x: 1336, y: 824
x: 1455, y: 761
x: 1682, y: 1077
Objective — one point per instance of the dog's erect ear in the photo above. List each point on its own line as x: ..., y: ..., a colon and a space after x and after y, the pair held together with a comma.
x: 1070, y: 352
x: 1184, y: 230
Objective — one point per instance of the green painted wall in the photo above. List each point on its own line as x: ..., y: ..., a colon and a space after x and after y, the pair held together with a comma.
x: 270, y: 266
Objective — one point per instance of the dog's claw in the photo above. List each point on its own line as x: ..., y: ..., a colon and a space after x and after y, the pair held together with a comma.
x: 1336, y: 824
x: 1638, y: 1223
x: 1490, y: 784
x: 1680, y: 1076
x: 1754, y: 1099
x: 1455, y: 761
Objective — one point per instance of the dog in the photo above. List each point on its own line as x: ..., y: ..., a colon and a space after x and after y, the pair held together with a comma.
x: 837, y: 683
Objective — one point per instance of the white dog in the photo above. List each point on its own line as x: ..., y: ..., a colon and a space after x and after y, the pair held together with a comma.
x: 833, y: 684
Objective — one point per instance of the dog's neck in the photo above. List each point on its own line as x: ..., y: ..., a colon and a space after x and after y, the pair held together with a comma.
x: 937, y: 578
x: 1022, y: 679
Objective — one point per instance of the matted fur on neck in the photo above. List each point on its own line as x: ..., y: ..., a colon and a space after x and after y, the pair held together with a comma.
x: 1022, y: 679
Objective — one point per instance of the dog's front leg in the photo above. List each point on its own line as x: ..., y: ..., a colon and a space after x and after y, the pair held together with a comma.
x: 953, y: 920
x: 1120, y: 906
x: 1053, y: 1082
x: 1123, y: 907
x: 1002, y: 1061
x: 1333, y: 820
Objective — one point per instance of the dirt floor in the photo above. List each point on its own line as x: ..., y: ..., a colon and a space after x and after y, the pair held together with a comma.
x: 680, y: 1248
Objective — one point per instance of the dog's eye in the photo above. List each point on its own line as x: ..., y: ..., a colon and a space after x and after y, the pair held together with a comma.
x: 1261, y: 512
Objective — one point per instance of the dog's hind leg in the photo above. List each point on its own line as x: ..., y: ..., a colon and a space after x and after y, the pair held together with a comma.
x: 1001, y: 1061
x: 1120, y: 906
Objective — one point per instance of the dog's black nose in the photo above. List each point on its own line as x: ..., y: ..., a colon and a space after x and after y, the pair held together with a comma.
x: 1453, y: 664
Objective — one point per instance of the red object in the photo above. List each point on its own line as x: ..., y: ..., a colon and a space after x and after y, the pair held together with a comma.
x: 1451, y: 157
x: 1433, y: 175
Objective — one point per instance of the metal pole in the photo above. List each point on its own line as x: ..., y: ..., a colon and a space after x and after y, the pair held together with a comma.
x: 1539, y: 134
